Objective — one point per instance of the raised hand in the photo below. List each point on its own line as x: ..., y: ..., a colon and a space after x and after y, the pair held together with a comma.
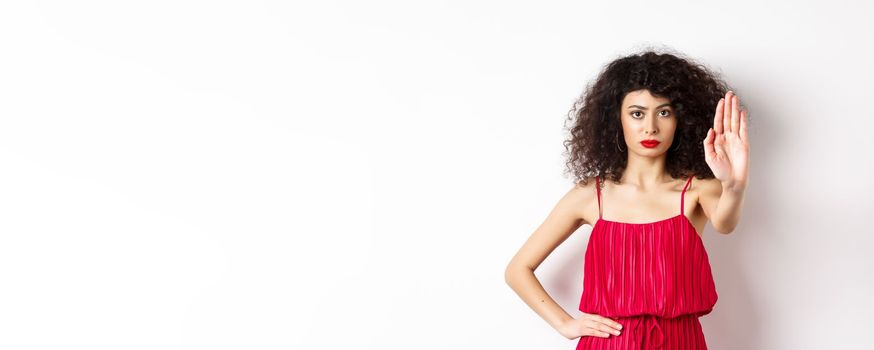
x: 726, y: 147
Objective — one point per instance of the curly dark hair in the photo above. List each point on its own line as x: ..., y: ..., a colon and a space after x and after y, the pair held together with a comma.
x: 693, y: 89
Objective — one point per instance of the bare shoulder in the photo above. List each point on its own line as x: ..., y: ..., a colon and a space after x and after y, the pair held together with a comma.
x: 707, y: 189
x: 582, y: 199
x: 565, y: 218
x: 708, y: 192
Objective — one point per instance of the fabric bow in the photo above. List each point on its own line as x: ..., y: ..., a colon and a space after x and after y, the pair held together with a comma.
x: 651, y: 323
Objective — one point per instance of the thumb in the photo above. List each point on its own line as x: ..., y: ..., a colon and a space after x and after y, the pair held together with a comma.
x: 708, y: 144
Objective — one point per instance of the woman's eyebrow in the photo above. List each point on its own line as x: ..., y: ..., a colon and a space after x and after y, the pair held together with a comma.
x: 642, y: 107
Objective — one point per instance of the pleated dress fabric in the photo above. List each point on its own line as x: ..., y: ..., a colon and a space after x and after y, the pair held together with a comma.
x: 653, y: 278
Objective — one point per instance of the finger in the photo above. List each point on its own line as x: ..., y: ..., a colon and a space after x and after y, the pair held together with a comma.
x: 608, y: 322
x: 593, y: 327
x: 735, y: 115
x: 594, y: 330
x: 743, y: 125
x: 717, y: 117
x: 605, y: 328
x: 726, y: 113
x: 600, y: 334
x: 708, y: 144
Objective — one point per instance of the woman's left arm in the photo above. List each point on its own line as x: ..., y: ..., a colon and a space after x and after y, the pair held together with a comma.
x: 721, y: 205
x: 727, y: 153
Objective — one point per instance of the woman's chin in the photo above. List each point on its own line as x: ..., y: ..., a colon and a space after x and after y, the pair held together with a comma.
x: 650, y: 152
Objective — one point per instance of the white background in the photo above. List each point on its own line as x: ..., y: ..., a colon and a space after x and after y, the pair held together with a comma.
x: 339, y: 175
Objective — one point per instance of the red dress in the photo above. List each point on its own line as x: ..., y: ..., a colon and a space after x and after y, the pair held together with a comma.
x: 654, y: 278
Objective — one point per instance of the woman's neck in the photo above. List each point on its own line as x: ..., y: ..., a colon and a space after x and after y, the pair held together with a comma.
x: 645, y: 172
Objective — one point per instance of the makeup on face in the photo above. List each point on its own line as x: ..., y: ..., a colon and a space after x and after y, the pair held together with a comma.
x: 650, y: 143
x: 646, y: 116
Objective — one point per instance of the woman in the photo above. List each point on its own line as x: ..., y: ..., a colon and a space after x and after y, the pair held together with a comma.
x: 643, y: 131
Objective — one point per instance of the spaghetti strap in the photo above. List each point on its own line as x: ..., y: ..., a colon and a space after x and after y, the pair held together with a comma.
x: 598, y: 188
x: 683, y: 195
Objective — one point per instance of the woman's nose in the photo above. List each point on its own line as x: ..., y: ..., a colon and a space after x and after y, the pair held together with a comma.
x: 651, y: 128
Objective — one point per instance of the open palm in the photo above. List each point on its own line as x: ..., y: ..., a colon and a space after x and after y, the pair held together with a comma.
x: 726, y: 147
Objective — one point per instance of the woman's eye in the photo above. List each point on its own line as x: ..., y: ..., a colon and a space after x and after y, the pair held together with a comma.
x: 666, y: 113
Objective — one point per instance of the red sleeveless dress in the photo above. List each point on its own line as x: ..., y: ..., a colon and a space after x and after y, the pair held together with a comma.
x: 653, y: 278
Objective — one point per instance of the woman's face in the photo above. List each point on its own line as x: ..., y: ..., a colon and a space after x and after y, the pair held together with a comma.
x: 646, y: 117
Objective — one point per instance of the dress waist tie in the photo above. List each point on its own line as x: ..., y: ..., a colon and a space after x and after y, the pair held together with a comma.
x: 651, y: 322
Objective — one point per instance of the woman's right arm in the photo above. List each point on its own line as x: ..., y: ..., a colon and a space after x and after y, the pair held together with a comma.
x: 561, y: 222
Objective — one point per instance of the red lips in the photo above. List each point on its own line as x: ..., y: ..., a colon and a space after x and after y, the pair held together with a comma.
x: 649, y: 143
